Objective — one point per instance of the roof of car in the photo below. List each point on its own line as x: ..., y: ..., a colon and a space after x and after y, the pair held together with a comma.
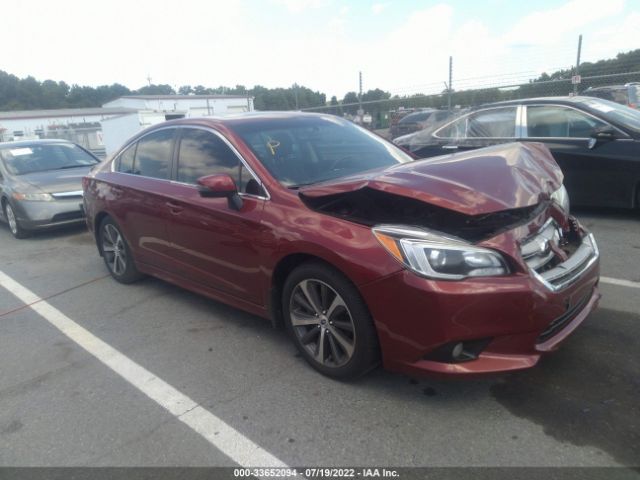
x: 407, y: 118
x: 27, y: 143
x: 526, y: 101
x: 608, y: 87
x: 250, y: 117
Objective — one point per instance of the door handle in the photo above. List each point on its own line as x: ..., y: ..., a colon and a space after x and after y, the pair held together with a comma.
x: 450, y: 147
x: 174, y: 208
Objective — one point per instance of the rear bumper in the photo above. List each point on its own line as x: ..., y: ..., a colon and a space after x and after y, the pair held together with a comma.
x: 520, y: 318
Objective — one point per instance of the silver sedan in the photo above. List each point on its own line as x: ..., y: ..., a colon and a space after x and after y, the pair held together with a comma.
x: 41, y: 184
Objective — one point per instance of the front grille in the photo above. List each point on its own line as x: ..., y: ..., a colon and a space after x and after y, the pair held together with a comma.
x: 562, y: 321
x: 558, y: 258
x: 539, y: 251
x: 75, y: 194
x: 63, y: 217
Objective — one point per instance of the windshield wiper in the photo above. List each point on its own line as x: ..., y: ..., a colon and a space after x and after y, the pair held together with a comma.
x: 74, y: 166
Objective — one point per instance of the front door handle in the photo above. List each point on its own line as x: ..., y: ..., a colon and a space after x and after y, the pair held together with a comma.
x: 174, y: 208
x: 450, y: 147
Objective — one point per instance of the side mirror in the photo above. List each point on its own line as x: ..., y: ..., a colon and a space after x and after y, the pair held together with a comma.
x: 603, y: 134
x: 219, y: 186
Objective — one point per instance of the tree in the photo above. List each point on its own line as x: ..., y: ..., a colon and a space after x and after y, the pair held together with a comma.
x: 155, y: 90
x: 349, y: 103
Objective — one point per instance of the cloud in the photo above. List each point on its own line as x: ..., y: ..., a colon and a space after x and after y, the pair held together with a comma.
x: 254, y: 42
x: 377, y: 8
x: 298, y: 6
x: 547, y: 27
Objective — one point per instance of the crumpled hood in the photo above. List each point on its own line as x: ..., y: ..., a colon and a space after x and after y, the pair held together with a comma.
x: 502, y: 177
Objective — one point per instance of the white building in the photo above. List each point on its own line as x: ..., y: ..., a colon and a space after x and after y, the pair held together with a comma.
x: 147, y: 110
x: 104, y: 130
x: 79, y: 125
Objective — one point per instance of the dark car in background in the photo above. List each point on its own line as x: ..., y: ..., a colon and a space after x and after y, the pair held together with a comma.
x: 394, y: 117
x: 628, y: 94
x: 41, y: 184
x: 595, y: 142
x: 419, y: 120
x: 455, y: 266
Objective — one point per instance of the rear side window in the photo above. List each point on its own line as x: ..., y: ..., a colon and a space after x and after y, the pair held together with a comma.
x: 493, y: 123
x: 203, y: 153
x: 153, y: 154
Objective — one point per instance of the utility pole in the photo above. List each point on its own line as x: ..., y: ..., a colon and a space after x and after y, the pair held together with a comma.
x: 450, y: 87
x: 575, y: 84
x: 295, y: 93
x: 360, y: 109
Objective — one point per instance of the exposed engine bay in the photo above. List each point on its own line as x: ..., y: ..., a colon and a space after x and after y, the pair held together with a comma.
x: 370, y: 207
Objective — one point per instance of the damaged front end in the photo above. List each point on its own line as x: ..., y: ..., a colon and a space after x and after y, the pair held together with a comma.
x: 472, y: 196
x: 371, y: 207
x: 491, y: 257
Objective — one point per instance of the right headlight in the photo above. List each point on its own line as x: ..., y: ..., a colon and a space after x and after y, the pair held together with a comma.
x: 33, y: 197
x: 561, y: 197
x: 436, y: 256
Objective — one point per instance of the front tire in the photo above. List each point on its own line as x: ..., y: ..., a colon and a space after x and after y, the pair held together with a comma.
x: 329, y: 321
x: 116, y: 253
x: 14, y: 224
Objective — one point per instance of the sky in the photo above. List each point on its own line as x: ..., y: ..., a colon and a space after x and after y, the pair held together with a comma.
x: 400, y: 46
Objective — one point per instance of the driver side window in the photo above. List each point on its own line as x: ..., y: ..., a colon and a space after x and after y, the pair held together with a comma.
x: 559, y: 122
x: 203, y: 153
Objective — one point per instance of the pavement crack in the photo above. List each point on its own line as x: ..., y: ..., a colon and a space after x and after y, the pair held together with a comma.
x: 62, y: 292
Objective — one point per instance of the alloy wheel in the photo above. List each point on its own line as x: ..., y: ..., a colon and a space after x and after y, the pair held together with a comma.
x: 114, y: 249
x: 322, y: 323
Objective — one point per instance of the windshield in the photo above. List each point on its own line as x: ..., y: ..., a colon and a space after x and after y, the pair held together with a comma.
x: 23, y: 159
x: 306, y: 150
x: 614, y: 112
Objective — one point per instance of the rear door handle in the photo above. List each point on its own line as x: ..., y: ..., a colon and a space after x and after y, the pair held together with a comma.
x: 174, y: 208
x: 450, y: 147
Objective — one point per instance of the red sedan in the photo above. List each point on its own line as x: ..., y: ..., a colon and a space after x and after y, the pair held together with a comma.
x: 462, y: 264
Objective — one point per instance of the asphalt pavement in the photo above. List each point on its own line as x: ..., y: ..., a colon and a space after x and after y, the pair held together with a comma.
x: 60, y: 405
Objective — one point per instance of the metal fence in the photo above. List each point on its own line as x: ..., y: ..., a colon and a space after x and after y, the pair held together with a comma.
x: 478, y: 90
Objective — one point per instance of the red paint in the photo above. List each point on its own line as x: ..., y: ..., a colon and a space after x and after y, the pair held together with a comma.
x: 220, y: 184
x: 204, y: 245
x: 496, y: 178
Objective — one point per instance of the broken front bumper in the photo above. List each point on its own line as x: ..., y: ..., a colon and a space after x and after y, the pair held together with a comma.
x: 517, y: 318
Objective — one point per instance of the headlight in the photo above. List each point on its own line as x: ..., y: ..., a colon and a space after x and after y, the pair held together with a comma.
x: 561, y: 197
x: 33, y: 197
x: 436, y: 256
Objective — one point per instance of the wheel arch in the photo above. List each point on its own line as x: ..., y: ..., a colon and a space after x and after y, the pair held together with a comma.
x: 280, y: 273
x: 97, y: 221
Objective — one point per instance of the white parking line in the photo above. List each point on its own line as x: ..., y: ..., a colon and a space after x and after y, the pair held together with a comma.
x: 620, y: 282
x: 218, y: 433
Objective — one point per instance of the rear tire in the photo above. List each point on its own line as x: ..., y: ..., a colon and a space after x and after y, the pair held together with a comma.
x: 117, y: 253
x: 329, y: 322
x: 14, y: 224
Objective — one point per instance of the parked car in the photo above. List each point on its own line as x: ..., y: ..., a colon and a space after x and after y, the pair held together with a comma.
x: 419, y: 120
x: 596, y: 142
x: 460, y: 265
x: 628, y: 94
x: 41, y: 184
x: 395, y: 117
